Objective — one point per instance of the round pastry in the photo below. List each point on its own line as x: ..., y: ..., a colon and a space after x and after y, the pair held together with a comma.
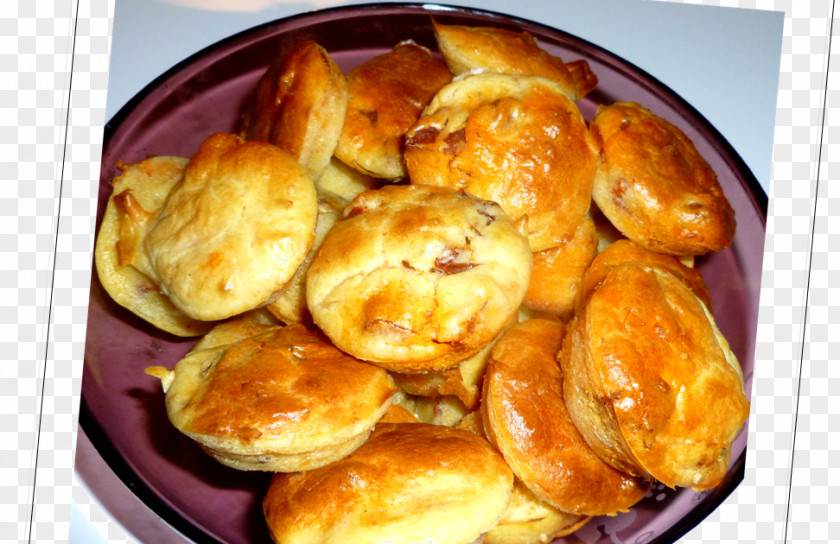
x: 386, y: 96
x: 654, y: 185
x: 624, y: 250
x: 121, y: 262
x: 409, y: 483
x: 523, y: 388
x: 558, y: 272
x: 283, y: 400
x: 470, y: 48
x: 519, y: 141
x: 418, y: 278
x: 235, y: 228
x: 299, y: 105
x: 650, y: 380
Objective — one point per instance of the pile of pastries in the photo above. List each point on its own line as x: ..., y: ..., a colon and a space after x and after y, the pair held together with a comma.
x: 433, y: 300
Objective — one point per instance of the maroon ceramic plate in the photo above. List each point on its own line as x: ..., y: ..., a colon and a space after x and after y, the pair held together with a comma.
x: 123, y: 409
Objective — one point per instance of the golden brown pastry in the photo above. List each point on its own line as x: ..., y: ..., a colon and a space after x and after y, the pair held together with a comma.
x: 299, y: 105
x: 467, y: 49
x: 418, y: 278
x: 558, y: 272
x: 624, y: 250
x: 283, y: 400
x: 138, y: 192
x: 523, y: 390
x: 519, y: 141
x: 409, y: 483
x: 234, y: 229
x: 655, y: 187
x: 651, y: 382
x: 386, y: 96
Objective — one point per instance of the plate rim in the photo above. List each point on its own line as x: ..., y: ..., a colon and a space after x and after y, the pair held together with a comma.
x: 758, y: 197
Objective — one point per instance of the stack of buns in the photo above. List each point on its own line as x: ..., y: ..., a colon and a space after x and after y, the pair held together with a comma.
x: 409, y: 310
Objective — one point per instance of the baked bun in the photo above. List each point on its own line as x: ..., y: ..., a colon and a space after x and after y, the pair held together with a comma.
x: 410, y: 482
x: 386, y: 96
x: 651, y: 382
x: 523, y: 388
x: 288, y: 304
x: 466, y: 49
x: 299, y: 105
x: 418, y: 278
x: 284, y: 400
x: 655, y: 187
x: 624, y: 250
x: 558, y: 272
x: 519, y: 141
x: 235, y: 228
x: 121, y: 263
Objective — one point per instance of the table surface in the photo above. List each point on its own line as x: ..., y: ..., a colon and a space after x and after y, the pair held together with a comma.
x: 723, y: 61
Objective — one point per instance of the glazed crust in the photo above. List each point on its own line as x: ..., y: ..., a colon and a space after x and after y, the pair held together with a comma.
x: 418, y: 278
x: 523, y: 388
x: 650, y: 381
x: 235, y: 228
x: 299, y: 105
x: 410, y: 482
x: 121, y: 263
x: 386, y: 97
x: 283, y: 400
x: 466, y: 49
x: 655, y: 187
x: 516, y: 140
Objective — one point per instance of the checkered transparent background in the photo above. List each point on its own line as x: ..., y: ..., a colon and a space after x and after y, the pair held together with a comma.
x: 49, y: 161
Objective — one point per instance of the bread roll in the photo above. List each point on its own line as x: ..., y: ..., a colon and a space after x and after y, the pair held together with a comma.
x: 651, y: 382
x: 121, y: 261
x: 418, y: 278
x: 654, y: 185
x: 285, y: 400
x: 386, y: 96
x: 519, y: 141
x: 410, y: 482
x: 299, y: 105
x: 234, y: 229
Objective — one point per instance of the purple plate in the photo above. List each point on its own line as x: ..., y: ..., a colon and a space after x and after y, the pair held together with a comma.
x: 123, y: 409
